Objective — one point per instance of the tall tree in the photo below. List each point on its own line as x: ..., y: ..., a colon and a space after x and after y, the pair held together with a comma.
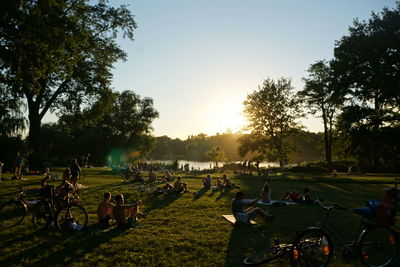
x: 321, y: 96
x: 216, y: 154
x: 58, y: 54
x: 272, y: 112
x: 367, y: 63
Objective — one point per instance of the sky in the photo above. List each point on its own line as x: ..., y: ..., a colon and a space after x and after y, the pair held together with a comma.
x: 199, y: 59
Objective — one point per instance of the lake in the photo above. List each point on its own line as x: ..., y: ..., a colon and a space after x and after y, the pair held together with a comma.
x: 206, y: 165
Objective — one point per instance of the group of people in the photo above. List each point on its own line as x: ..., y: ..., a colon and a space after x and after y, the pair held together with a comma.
x: 125, y: 215
x: 225, y: 182
x: 177, y: 188
x: 244, y: 211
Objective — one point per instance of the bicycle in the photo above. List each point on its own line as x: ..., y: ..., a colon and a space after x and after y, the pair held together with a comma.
x: 70, y: 216
x: 269, y: 254
x: 374, y: 245
x: 13, y: 212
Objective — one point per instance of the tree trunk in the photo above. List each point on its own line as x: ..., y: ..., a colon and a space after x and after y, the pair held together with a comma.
x: 327, y: 134
x: 35, y: 157
x: 375, y: 133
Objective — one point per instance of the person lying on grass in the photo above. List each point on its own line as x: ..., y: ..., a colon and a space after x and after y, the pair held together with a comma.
x: 105, y: 210
x: 126, y: 214
x: 242, y: 209
x: 298, y: 197
x: 207, y: 181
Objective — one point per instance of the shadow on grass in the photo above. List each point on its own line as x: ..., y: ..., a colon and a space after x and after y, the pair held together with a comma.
x: 223, y: 193
x: 200, y: 193
x: 74, y: 246
x: 160, y: 202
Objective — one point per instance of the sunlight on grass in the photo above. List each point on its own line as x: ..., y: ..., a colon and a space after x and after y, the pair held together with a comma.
x: 183, y: 230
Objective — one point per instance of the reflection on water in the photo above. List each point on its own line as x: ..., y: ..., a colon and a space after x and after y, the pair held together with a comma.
x: 206, y: 165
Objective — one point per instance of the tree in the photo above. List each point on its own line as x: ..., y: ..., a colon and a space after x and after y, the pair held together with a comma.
x: 320, y: 95
x: 119, y: 121
x: 216, y: 154
x: 367, y: 63
x: 11, y: 116
x: 58, y: 54
x: 272, y: 112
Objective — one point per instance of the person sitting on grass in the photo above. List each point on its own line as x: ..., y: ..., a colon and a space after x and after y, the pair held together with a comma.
x: 152, y: 177
x: 66, y: 174
x: 265, y: 194
x: 179, y: 186
x: 63, y: 189
x: 241, y: 209
x: 105, y: 210
x: 228, y: 183
x: 207, y: 181
x: 138, y: 176
x: 168, y: 177
x: 126, y: 214
x: 219, y: 184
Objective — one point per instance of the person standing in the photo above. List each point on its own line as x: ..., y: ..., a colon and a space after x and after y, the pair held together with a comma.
x: 76, y: 172
x: 1, y: 169
x: 17, y: 167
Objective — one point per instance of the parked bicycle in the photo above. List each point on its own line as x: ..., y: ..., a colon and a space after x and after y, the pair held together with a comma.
x: 14, y: 211
x: 374, y: 245
x: 269, y: 254
x: 62, y: 212
x: 70, y: 216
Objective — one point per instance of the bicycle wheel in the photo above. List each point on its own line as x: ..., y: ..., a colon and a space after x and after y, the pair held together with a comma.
x: 313, y: 247
x: 379, y: 246
x: 263, y: 256
x: 12, y: 213
x: 41, y: 214
x: 72, y: 218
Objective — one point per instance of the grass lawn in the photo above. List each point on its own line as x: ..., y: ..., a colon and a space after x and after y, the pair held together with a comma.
x: 187, y: 229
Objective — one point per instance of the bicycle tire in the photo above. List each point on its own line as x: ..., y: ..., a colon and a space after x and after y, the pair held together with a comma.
x: 263, y: 256
x: 12, y: 213
x: 41, y: 215
x: 379, y: 246
x: 71, y: 218
x: 312, y: 247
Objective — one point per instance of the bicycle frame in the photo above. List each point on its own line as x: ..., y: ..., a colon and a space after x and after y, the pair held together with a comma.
x: 328, y: 226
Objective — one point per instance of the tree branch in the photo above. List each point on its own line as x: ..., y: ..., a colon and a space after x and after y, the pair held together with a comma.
x: 54, y: 97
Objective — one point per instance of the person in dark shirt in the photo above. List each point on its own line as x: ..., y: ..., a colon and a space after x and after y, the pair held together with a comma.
x: 241, y: 209
x: 76, y: 172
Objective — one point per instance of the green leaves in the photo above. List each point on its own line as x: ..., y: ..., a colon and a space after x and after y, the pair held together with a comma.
x: 272, y: 112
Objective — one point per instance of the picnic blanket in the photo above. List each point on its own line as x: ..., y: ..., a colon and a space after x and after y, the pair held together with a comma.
x: 272, y: 203
x: 232, y: 219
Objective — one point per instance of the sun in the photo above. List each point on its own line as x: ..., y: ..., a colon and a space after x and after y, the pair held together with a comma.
x: 231, y: 118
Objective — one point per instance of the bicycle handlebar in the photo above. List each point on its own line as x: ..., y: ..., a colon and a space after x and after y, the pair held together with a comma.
x: 329, y: 208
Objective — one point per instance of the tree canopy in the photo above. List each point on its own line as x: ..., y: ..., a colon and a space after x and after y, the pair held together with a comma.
x: 272, y: 112
x: 58, y: 54
x: 367, y: 66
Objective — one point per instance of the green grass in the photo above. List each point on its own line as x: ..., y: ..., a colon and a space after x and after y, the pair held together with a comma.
x: 184, y: 230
